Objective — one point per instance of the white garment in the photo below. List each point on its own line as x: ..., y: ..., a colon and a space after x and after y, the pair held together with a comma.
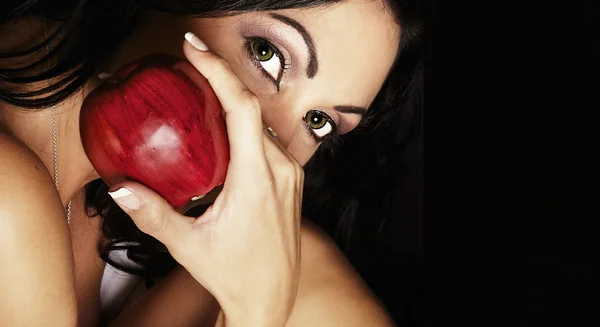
x: 117, y: 286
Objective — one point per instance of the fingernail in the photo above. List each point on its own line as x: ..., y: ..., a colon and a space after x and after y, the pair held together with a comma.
x: 195, y: 41
x: 271, y: 132
x: 126, y: 199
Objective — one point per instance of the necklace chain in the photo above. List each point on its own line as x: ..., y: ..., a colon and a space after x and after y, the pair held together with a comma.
x: 54, y: 142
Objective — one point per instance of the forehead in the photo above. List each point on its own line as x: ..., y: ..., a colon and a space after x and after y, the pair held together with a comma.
x: 356, y: 43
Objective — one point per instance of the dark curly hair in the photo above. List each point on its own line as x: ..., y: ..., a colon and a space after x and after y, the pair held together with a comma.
x: 349, y: 180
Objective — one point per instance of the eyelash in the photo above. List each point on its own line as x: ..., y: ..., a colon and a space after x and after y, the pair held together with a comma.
x: 250, y: 41
x: 334, y: 134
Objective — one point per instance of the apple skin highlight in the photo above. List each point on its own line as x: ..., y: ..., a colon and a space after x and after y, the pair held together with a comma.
x: 158, y: 122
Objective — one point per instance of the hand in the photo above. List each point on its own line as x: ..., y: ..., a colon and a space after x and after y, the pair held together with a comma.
x: 245, y: 249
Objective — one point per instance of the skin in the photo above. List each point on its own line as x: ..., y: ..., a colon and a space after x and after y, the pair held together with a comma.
x: 328, y: 286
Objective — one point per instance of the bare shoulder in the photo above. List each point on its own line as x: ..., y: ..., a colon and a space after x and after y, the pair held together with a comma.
x: 331, y: 292
x: 33, y: 243
x: 18, y: 161
x: 22, y: 173
x: 29, y: 203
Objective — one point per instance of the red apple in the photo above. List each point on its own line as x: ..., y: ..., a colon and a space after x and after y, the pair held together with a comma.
x: 158, y: 122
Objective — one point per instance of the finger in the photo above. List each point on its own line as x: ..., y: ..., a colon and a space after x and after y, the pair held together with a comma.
x: 287, y: 173
x: 275, y: 152
x: 241, y: 106
x: 271, y: 137
x: 151, y: 213
x: 274, y: 139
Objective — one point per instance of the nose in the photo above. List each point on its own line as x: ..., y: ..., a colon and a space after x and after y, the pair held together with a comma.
x: 284, y: 113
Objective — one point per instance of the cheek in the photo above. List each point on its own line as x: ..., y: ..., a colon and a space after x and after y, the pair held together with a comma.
x: 278, y: 117
x: 286, y: 121
x: 301, y: 147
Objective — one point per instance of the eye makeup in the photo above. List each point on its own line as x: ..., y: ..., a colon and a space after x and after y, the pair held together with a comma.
x: 291, y: 54
x: 255, y: 42
x: 284, y: 39
x: 319, y: 125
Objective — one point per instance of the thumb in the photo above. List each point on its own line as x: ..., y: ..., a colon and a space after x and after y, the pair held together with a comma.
x: 151, y: 213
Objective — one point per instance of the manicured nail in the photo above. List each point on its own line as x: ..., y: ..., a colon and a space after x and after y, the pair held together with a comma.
x: 126, y: 199
x: 271, y: 133
x: 195, y: 41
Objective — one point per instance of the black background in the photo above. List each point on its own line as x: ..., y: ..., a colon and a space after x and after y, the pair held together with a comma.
x: 511, y: 89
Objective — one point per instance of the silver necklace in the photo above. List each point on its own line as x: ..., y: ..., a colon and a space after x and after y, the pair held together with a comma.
x: 54, y: 142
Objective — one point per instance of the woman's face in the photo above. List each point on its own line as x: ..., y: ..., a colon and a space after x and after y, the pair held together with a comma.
x: 314, y: 70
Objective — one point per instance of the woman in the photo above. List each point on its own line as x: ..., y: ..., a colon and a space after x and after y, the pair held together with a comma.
x: 312, y: 71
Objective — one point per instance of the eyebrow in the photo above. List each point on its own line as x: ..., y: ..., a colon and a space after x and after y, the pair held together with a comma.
x: 313, y: 62
x: 351, y: 110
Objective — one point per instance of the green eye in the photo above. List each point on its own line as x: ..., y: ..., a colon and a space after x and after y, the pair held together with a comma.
x: 263, y: 50
x: 315, y: 119
x: 319, y: 124
x: 265, y: 56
